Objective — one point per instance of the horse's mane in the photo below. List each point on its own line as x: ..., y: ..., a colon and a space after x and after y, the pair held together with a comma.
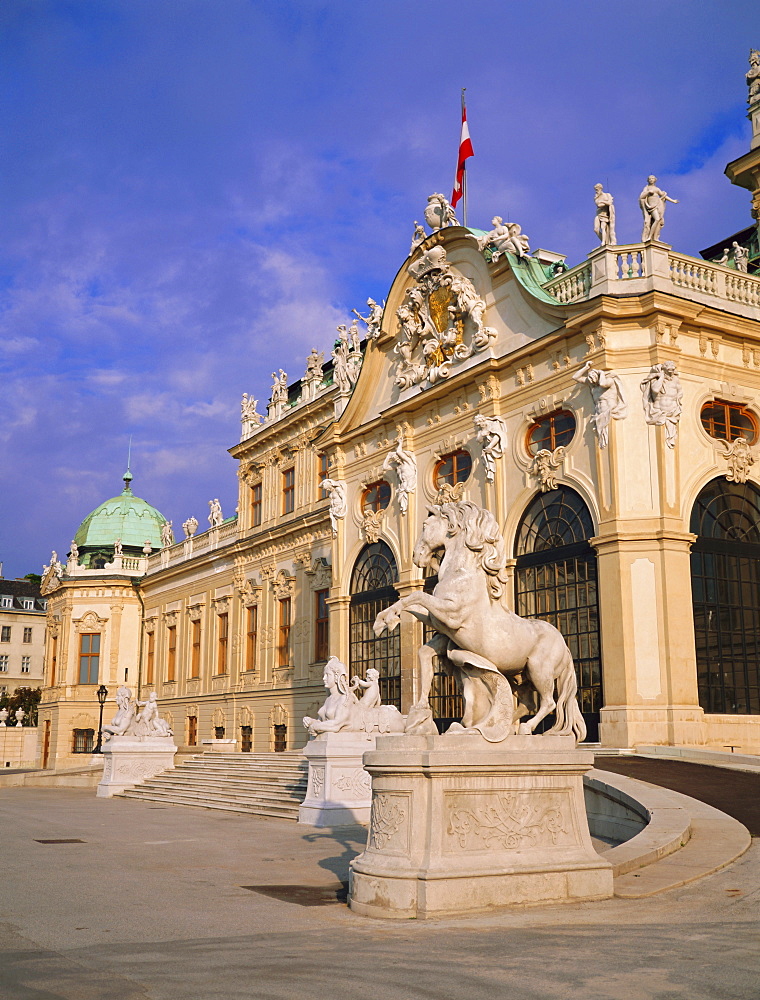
x: 481, y: 534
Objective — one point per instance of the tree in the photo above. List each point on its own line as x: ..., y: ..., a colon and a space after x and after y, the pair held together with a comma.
x: 34, y: 578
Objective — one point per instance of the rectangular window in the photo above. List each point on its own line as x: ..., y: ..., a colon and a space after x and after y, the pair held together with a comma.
x: 26, y: 664
x: 322, y: 626
x: 218, y: 732
x: 89, y: 658
x: 246, y: 739
x: 195, y: 653
x: 251, y: 637
x: 83, y: 740
x: 53, y: 660
x: 150, y: 659
x: 3, y: 663
x: 283, y: 645
x: 223, y: 624
x: 192, y: 730
x: 288, y: 491
x: 280, y: 739
x: 256, y: 505
x: 171, y: 653
x: 323, y: 468
x: 5, y: 633
x: 27, y: 635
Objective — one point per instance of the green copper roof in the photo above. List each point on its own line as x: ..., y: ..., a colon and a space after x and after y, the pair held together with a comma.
x: 126, y: 517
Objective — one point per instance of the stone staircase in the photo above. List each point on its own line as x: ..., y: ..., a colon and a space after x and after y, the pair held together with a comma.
x: 262, y: 784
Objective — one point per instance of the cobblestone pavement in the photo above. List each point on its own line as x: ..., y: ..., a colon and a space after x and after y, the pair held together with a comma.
x: 154, y: 904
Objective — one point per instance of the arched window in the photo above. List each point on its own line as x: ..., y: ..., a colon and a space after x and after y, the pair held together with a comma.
x: 725, y: 587
x: 446, y: 700
x: 552, y: 431
x: 452, y: 469
x: 372, y: 590
x: 555, y: 579
x: 376, y: 496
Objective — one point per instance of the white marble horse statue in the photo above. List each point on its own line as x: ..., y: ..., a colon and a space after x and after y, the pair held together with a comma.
x: 493, y: 650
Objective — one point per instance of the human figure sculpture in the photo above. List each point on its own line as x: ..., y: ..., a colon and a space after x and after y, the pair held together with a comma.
x: 336, y: 490
x: 607, y: 395
x: 148, y: 722
x: 354, y: 337
x: 492, y: 435
x: 405, y: 465
x: 741, y: 257
x: 167, y: 535
x: 604, y: 220
x: 662, y: 396
x: 723, y: 259
x: 753, y: 75
x: 126, y: 710
x: 215, y: 516
x: 419, y: 236
x: 342, y: 711
x: 314, y: 363
x: 74, y: 552
x: 118, y: 548
x: 279, y: 395
x: 341, y: 376
x: 373, y: 320
x: 248, y: 413
x: 653, y: 202
x: 492, y: 650
x: 190, y: 526
x: 371, y: 687
x: 503, y: 239
x: 439, y: 213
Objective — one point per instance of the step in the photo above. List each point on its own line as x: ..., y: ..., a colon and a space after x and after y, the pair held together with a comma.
x: 274, y: 812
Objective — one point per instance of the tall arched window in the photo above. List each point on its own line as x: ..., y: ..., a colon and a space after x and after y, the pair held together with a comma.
x: 725, y: 587
x: 555, y: 579
x: 372, y: 590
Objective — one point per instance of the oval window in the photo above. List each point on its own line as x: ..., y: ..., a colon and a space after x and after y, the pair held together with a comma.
x: 377, y: 496
x: 728, y: 421
x: 553, y: 431
x: 452, y: 468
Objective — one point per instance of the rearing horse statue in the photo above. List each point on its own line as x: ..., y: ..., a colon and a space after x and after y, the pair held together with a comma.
x: 493, y: 649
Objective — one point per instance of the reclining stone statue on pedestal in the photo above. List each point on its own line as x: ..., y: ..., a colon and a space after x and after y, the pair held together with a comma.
x: 502, y: 661
x: 343, y: 712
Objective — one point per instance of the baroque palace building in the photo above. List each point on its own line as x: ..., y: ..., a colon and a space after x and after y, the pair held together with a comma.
x: 608, y: 414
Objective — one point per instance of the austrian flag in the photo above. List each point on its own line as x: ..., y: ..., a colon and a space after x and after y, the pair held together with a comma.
x: 465, y: 151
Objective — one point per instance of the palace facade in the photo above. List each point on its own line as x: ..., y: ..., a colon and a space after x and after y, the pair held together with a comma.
x: 608, y: 415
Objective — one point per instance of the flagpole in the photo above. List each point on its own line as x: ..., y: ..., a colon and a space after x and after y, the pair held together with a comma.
x: 464, y: 177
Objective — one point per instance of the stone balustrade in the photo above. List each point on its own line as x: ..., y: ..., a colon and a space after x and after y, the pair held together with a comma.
x: 637, y: 268
x: 186, y: 548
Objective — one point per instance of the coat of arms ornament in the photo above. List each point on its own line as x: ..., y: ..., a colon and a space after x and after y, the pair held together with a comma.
x: 440, y: 321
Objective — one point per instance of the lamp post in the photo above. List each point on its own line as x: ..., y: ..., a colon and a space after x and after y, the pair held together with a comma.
x: 102, y: 694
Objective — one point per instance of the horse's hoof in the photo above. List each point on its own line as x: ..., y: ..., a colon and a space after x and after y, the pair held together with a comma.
x: 524, y: 729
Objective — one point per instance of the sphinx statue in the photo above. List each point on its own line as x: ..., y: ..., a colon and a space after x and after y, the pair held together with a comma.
x: 344, y: 712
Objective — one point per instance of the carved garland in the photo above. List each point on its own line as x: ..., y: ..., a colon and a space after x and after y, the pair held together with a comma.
x: 90, y: 622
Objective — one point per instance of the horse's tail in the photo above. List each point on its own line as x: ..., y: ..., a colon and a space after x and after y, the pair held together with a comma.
x: 569, y: 719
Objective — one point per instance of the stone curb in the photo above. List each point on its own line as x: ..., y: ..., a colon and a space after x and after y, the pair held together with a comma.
x: 684, y: 840
x: 698, y: 755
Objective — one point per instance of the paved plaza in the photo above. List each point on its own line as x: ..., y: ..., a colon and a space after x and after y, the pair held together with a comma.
x: 156, y: 902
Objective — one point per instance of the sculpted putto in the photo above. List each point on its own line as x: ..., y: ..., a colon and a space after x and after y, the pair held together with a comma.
x: 662, y: 396
x: 609, y: 401
x: 493, y: 651
x: 343, y: 712
x: 492, y: 435
x: 503, y: 239
x: 129, y: 722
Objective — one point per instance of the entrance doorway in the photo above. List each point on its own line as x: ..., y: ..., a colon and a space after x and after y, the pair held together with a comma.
x: 372, y: 590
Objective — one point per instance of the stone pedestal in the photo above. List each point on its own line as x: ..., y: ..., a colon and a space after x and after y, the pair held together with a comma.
x: 128, y: 760
x: 462, y: 825
x: 339, y: 789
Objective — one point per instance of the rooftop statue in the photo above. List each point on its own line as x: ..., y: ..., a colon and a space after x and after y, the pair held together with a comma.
x: 607, y: 395
x: 314, y: 363
x: 604, y: 220
x: 503, y: 239
x: 741, y: 257
x: 343, y: 712
x: 419, y: 236
x: 653, y: 202
x: 248, y: 412
x: 167, y: 535
x: 215, y: 516
x: 373, y: 320
x: 662, y: 395
x: 495, y: 653
x: 753, y: 75
x: 439, y: 212
x: 354, y: 339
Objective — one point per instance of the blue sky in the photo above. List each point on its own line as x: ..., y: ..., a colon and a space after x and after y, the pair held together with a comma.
x: 196, y: 191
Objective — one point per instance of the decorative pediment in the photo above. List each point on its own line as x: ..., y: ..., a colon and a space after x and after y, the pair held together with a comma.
x: 283, y: 585
x: 89, y: 622
x: 440, y: 321
x: 169, y: 618
x: 195, y: 611
x: 320, y: 574
x: 51, y: 578
x: 248, y: 592
x: 221, y: 604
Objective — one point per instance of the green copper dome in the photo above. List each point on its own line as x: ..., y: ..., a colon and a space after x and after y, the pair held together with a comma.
x: 125, y: 517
